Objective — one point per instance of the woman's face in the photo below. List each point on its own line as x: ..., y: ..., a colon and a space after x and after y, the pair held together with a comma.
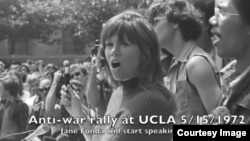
x: 229, y: 31
x: 44, y: 87
x: 123, y: 58
x: 24, y: 71
x: 165, y: 31
x: 34, y: 86
x: 77, y: 74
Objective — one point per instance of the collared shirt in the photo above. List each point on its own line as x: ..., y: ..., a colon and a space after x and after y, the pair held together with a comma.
x: 176, y: 62
x: 241, y: 106
x: 228, y: 73
x: 186, y: 95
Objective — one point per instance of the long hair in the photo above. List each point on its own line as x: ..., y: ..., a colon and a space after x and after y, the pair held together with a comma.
x: 138, y: 31
x: 19, y: 80
x: 11, y: 84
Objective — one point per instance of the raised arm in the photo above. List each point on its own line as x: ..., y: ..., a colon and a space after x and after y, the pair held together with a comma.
x: 51, y: 98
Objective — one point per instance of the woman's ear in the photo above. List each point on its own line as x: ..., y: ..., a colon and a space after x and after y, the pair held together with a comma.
x: 176, y: 26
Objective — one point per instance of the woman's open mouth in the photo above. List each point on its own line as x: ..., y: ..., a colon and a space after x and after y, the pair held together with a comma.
x: 215, y: 39
x: 115, y: 65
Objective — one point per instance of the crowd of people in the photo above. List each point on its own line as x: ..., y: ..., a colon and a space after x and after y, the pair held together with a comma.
x: 155, y: 62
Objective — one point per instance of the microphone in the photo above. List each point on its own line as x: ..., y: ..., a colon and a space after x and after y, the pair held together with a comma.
x: 42, y: 129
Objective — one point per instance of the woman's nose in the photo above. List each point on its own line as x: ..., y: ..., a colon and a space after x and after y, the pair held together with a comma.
x: 115, y: 50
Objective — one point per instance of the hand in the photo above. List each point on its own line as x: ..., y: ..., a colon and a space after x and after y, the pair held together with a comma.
x: 72, y: 102
x: 37, y: 106
x: 57, y: 76
x: 94, y: 61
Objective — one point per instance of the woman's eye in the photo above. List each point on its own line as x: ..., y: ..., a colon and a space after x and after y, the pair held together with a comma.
x: 108, y: 45
x: 125, y: 43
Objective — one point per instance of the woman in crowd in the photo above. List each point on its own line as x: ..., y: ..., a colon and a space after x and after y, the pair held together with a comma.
x: 14, y: 112
x: 192, y: 76
x: 32, y: 95
x: 78, y: 76
x: 231, y: 35
x: 131, y: 52
x: 24, y: 71
x: 38, y: 108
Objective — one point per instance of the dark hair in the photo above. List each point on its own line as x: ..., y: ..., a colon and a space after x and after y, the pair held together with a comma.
x: 137, y: 30
x: 26, y: 67
x: 206, y: 7
x: 243, y: 6
x: 10, y: 84
x: 51, y: 66
x: 18, y: 79
x: 181, y: 13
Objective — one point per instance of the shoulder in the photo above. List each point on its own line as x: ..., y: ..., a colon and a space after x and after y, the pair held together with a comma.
x: 21, y: 107
x: 154, y: 94
x: 199, y: 67
x: 153, y: 101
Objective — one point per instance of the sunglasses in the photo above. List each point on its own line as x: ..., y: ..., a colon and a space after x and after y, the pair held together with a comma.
x: 44, y: 89
x: 77, y: 74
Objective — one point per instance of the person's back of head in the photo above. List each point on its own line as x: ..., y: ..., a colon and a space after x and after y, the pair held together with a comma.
x: 10, y: 84
x: 179, y: 12
x: 206, y: 7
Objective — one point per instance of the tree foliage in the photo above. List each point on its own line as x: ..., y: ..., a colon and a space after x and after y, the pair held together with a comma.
x: 40, y: 18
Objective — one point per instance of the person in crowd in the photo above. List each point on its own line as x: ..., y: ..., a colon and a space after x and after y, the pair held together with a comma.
x: 24, y: 71
x: 131, y: 52
x: 231, y: 34
x: 38, y: 108
x: 87, y: 63
x: 14, y: 67
x: 207, y: 10
x: 52, y: 103
x: 40, y: 65
x: 192, y: 76
x: 49, y: 71
x: 18, y: 79
x: 78, y: 72
x: 33, y: 94
x: 34, y: 68
x: 13, y: 111
x: 29, y: 62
